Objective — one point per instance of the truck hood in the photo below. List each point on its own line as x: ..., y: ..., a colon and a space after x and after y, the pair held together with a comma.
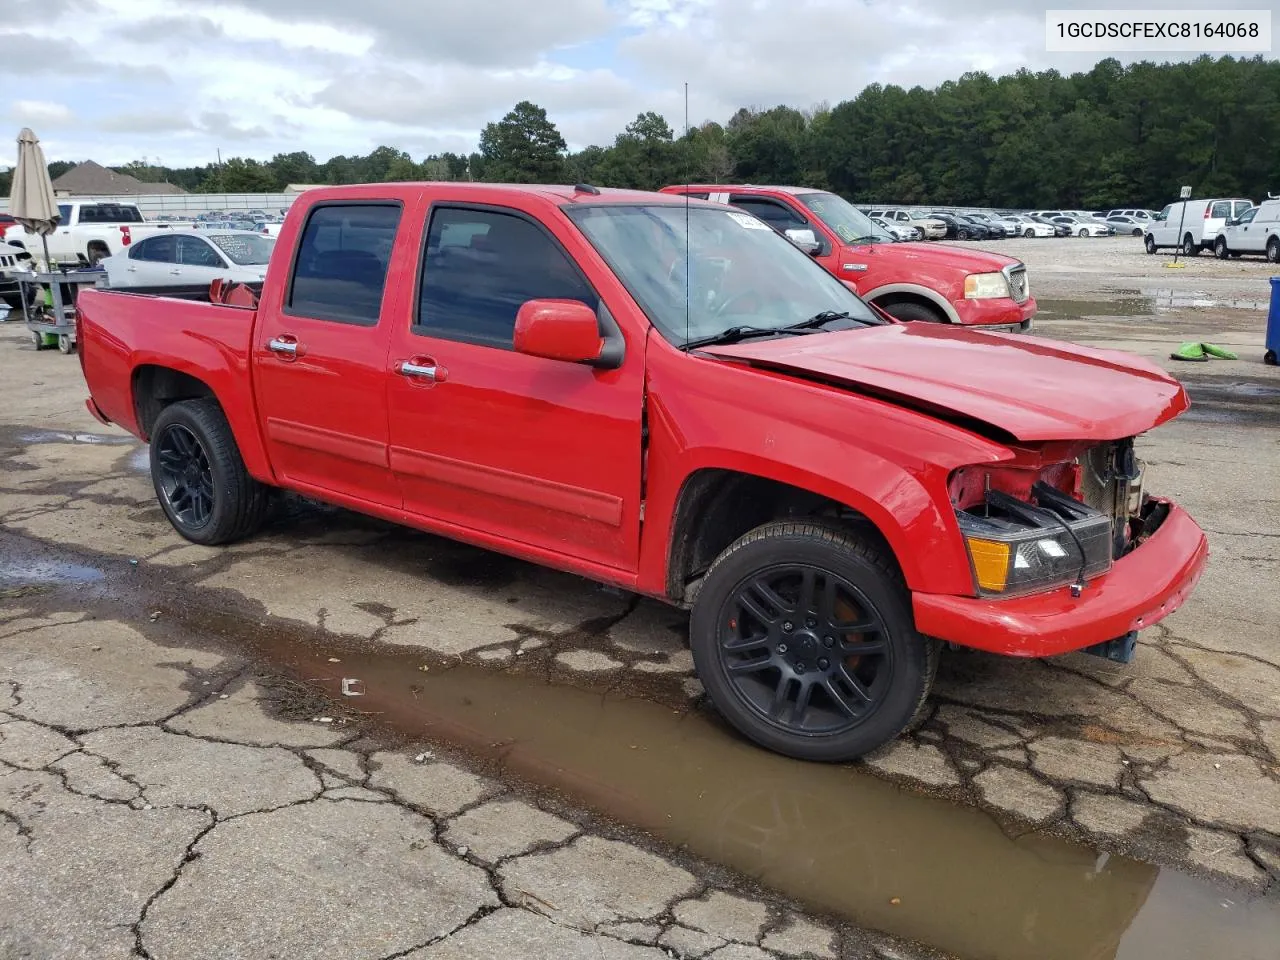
x: 1027, y: 388
x: 971, y: 261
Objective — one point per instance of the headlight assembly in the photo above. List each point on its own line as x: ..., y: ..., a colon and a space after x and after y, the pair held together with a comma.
x: 985, y: 286
x: 1017, y: 548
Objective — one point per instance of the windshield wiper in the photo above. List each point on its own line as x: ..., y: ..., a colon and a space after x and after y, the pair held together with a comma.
x: 742, y: 332
x: 822, y: 319
x: 869, y: 238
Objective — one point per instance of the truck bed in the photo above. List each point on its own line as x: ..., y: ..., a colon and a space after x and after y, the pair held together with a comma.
x: 195, y: 292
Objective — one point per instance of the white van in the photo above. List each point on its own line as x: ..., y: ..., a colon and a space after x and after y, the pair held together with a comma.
x: 1254, y: 231
x: 1199, y: 226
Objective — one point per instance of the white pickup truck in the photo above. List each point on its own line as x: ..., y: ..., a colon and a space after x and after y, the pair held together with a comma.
x: 90, y: 230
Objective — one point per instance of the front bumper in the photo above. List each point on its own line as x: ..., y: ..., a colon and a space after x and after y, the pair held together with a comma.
x: 1140, y: 589
x: 1003, y: 312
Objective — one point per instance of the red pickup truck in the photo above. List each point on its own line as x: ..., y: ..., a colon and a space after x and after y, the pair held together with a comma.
x: 911, y: 281
x: 665, y: 395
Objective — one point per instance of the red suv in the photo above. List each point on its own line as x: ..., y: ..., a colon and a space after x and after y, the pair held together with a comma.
x: 910, y: 281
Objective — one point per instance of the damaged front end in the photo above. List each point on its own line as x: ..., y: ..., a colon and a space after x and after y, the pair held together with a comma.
x: 1053, y: 517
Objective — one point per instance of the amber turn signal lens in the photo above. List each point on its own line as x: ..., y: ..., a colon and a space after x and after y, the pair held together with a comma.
x: 990, y: 563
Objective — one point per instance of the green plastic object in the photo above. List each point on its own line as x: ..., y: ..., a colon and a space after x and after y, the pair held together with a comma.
x: 1190, y: 351
x: 1220, y: 352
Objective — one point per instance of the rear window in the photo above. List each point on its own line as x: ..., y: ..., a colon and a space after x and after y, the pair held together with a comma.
x: 341, y: 265
x: 109, y: 213
x: 1220, y: 208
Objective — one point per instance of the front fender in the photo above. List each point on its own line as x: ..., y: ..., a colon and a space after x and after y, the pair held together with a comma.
x: 889, y: 464
x: 915, y: 289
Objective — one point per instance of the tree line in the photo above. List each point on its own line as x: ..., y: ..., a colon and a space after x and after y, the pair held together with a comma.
x: 1114, y: 136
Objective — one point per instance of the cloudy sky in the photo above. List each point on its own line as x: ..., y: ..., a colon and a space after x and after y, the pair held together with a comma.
x: 174, y: 80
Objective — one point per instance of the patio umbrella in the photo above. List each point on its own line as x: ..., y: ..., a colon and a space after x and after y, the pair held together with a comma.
x: 31, y: 200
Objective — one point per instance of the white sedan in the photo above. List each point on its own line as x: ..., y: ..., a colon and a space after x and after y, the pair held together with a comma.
x: 1026, y: 227
x: 899, y: 231
x: 1086, y: 228
x: 199, y: 257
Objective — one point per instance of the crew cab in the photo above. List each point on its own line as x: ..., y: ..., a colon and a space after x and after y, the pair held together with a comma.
x: 911, y: 281
x: 89, y: 231
x: 665, y: 395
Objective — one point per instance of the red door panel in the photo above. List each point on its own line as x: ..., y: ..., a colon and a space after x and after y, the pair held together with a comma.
x: 540, y: 452
x: 320, y: 364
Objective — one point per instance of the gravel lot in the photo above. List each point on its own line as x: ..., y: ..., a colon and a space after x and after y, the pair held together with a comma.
x: 166, y: 789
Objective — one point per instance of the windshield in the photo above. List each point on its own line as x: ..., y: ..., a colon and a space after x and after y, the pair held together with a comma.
x: 848, y: 222
x: 740, y: 272
x: 245, y: 248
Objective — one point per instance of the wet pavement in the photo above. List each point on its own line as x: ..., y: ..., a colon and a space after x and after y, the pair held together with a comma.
x: 1061, y: 808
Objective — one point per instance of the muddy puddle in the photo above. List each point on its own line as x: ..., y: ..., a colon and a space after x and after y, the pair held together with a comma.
x: 28, y: 572
x: 832, y: 837
x: 58, y: 436
x: 1241, y: 402
x: 839, y: 840
x: 1144, y: 302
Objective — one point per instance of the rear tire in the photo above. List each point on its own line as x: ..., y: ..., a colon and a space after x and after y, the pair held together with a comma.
x: 65, y: 345
x: 200, y: 478
x: 1189, y: 246
x: 1273, y: 249
x: 914, y: 313
x: 826, y: 673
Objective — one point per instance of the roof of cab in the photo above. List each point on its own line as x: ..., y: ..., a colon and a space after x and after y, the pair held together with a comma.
x: 559, y: 194
x: 737, y: 188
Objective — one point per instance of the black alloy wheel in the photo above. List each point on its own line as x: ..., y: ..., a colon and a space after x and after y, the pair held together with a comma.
x: 185, y: 476
x: 805, y: 650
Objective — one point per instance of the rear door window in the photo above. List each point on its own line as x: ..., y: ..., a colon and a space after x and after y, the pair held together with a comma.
x: 340, y: 270
x: 194, y: 252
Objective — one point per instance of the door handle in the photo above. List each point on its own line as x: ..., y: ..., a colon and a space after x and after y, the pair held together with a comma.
x: 422, y: 368
x: 175, y: 272
x: 132, y: 269
x: 286, y: 346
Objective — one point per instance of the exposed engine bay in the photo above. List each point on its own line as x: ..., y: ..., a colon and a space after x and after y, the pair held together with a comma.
x: 1056, y: 515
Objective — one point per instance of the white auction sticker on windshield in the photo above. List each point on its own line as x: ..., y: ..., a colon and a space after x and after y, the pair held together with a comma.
x: 750, y: 222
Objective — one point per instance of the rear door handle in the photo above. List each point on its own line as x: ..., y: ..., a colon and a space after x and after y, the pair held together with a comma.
x: 176, y: 272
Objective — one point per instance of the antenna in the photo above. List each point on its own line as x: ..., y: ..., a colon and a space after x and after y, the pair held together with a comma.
x: 687, y: 292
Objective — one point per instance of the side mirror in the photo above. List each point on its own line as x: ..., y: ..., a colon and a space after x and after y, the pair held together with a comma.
x: 805, y: 239
x: 559, y: 330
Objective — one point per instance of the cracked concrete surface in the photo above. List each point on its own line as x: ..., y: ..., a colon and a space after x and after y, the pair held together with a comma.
x: 203, y: 831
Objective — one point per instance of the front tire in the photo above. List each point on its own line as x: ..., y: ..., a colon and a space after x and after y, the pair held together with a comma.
x: 913, y: 313
x: 1220, y: 248
x: 1150, y: 243
x: 200, y: 478
x: 65, y: 345
x: 803, y: 636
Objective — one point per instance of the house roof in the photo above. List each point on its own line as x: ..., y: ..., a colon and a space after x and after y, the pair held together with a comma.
x: 93, y: 179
